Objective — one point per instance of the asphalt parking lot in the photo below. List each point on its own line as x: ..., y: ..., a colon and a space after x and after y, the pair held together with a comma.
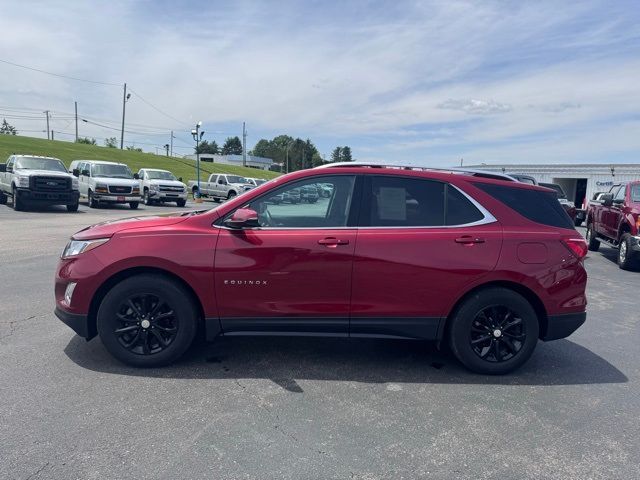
x: 305, y: 408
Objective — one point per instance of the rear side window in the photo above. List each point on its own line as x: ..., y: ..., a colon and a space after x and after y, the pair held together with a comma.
x: 414, y: 202
x: 540, y: 207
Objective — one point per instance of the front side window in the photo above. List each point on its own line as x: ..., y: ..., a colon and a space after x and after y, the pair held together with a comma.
x: 635, y: 193
x: 621, y: 193
x: 236, y: 179
x: 286, y: 207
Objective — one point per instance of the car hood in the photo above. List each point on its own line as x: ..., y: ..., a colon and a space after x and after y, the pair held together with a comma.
x: 244, y: 185
x: 36, y: 173
x: 109, y: 228
x: 118, y: 182
x: 173, y: 183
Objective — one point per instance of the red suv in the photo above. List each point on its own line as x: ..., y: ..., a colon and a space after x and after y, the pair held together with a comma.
x: 486, y: 264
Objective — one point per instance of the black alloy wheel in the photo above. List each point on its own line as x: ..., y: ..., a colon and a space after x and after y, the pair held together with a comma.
x: 148, y: 320
x: 497, y: 334
x: 146, y: 324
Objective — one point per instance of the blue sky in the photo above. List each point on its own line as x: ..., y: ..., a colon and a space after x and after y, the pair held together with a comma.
x: 415, y: 82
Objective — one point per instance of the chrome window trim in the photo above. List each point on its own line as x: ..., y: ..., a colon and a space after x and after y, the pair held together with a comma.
x: 487, y: 220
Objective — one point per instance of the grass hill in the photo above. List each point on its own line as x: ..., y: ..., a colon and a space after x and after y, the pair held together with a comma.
x: 68, y: 151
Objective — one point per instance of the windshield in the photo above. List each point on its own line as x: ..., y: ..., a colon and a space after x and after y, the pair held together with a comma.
x: 236, y: 179
x: 635, y: 193
x: 111, y: 171
x: 33, y: 163
x: 160, y: 175
x: 555, y: 187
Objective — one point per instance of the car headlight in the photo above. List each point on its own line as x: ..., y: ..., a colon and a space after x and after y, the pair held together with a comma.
x: 154, y: 187
x: 101, y: 188
x: 22, y: 181
x: 74, y: 183
x: 76, y: 247
x: 135, y: 189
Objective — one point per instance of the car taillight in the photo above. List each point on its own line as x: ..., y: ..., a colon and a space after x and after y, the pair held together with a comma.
x: 638, y: 224
x: 577, y: 246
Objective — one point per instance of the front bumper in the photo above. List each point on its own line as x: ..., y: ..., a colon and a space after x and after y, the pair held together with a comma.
x: 48, y: 198
x: 561, y: 326
x: 167, y: 196
x: 79, y: 323
x: 105, y: 197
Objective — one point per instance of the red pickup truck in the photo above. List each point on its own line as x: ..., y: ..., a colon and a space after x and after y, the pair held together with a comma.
x: 615, y: 220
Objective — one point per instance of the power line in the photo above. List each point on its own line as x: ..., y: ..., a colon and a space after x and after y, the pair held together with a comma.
x: 58, y: 75
x: 156, y: 108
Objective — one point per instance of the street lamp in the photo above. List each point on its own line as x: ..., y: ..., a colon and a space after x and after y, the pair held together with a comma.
x: 125, y: 98
x: 289, y: 143
x: 197, y: 136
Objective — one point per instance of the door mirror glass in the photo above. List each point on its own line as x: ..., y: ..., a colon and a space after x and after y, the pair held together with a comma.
x: 607, y: 199
x: 179, y: 179
x: 3, y: 168
x: 243, y: 218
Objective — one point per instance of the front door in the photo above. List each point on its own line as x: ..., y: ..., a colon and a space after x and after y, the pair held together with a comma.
x: 421, y: 242
x: 292, y: 274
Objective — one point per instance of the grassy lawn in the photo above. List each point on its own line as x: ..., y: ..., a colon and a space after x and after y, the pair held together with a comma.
x: 68, y: 151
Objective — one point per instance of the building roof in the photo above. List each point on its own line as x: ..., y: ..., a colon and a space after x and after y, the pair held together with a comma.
x: 237, y: 158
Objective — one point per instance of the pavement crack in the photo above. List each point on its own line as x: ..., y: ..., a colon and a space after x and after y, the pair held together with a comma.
x: 14, y: 324
x: 37, y: 472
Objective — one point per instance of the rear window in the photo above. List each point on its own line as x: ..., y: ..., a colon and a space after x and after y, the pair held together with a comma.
x: 537, y: 206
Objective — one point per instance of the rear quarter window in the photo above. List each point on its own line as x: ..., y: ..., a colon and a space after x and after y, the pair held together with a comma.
x: 538, y: 206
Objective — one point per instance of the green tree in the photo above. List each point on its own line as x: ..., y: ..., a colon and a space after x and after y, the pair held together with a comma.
x: 7, y: 129
x: 336, y: 155
x: 232, y: 146
x: 111, y: 142
x: 206, y: 147
x: 131, y: 148
x: 345, y: 154
x: 86, y: 140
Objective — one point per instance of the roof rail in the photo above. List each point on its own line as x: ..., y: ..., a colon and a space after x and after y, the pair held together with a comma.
x: 454, y: 170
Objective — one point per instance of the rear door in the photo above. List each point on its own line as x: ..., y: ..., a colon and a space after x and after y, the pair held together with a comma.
x: 420, y: 242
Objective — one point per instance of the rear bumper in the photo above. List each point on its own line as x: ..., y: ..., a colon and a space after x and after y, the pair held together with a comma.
x: 561, y: 326
x: 48, y: 198
x: 77, y: 322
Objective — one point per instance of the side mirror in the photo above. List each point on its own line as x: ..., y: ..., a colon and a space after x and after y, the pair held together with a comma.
x: 243, y: 218
x: 136, y: 176
x: 3, y: 168
x: 75, y: 172
x: 85, y: 173
x: 179, y: 179
x: 607, y: 199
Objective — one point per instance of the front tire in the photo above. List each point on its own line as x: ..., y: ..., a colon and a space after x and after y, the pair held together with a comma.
x: 145, y: 197
x: 134, y: 205
x: 18, y: 205
x: 147, y: 320
x: 494, y: 331
x: 73, y: 207
x: 626, y: 258
x: 231, y: 195
x: 593, y: 244
x: 3, y: 199
x: 93, y: 203
x: 181, y: 203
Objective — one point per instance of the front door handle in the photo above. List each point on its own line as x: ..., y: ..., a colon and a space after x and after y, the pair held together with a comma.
x: 469, y: 240
x: 332, y: 242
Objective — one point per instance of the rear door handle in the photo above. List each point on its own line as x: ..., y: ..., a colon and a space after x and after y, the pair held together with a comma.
x: 332, y: 242
x: 469, y: 240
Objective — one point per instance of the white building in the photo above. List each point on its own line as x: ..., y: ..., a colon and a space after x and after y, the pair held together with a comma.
x: 262, y: 163
x: 579, y: 181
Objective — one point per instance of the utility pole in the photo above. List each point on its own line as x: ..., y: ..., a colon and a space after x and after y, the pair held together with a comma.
x: 46, y: 112
x: 172, y: 137
x: 244, y: 145
x: 197, y: 136
x: 125, y: 97
x: 76, y: 104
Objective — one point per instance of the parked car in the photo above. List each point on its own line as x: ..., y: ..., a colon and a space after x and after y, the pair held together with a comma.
x: 161, y: 186
x: 106, y: 182
x: 256, y: 182
x: 615, y: 220
x: 568, y: 205
x: 292, y: 196
x: 528, y: 179
x: 489, y: 266
x: 309, y: 194
x: 221, y: 186
x: 33, y: 180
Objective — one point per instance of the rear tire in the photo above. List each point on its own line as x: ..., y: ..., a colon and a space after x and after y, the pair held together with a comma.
x: 494, y: 331
x: 592, y: 242
x: 577, y: 221
x: 626, y: 258
x: 162, y: 305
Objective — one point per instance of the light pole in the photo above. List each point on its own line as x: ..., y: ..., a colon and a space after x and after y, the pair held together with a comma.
x: 125, y: 97
x: 197, y: 136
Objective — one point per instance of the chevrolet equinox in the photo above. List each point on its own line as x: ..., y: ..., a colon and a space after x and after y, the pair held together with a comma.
x: 476, y: 260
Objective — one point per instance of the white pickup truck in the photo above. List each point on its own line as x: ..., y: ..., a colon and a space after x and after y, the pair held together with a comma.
x: 162, y: 186
x: 33, y: 180
x: 221, y: 186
